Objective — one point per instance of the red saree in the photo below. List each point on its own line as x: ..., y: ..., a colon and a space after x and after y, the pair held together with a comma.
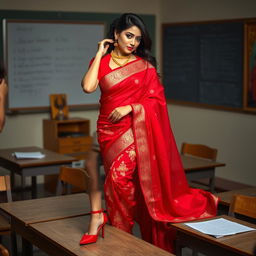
x: 156, y: 191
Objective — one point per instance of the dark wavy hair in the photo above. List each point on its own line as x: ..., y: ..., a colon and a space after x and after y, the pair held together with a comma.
x: 126, y: 21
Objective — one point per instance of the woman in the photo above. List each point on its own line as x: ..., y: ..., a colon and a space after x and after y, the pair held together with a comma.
x: 3, y: 93
x: 145, y: 180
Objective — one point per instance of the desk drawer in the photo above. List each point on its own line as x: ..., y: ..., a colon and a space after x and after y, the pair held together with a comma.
x: 75, y: 141
x: 75, y: 149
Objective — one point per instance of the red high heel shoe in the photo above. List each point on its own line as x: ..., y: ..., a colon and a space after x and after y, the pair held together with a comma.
x: 89, y: 239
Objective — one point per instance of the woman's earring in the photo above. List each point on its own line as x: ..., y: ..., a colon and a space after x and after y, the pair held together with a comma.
x: 115, y: 43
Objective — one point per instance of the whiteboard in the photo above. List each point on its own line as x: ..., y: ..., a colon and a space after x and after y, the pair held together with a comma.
x: 45, y: 58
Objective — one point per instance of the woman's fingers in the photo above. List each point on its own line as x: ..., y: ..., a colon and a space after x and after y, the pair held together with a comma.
x: 119, y: 113
x: 114, y: 116
x: 105, y: 43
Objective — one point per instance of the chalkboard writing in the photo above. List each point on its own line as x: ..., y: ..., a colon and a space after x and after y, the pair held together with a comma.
x: 61, y: 17
x: 203, y: 63
x: 49, y: 58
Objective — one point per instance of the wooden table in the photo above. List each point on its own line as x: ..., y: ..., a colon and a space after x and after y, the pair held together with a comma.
x: 226, y: 197
x: 24, y: 213
x: 199, y: 168
x: 56, y: 225
x: 61, y: 238
x: 50, y: 164
x: 234, y: 245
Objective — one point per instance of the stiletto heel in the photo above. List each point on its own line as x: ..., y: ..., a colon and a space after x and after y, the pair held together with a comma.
x: 89, y: 239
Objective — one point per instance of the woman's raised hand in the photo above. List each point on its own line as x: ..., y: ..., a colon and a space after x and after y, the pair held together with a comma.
x: 104, y: 45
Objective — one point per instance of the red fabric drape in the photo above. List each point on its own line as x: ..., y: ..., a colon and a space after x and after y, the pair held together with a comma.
x: 161, y: 179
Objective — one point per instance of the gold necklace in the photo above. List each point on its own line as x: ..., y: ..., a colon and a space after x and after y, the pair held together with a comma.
x: 114, y: 57
x: 119, y: 56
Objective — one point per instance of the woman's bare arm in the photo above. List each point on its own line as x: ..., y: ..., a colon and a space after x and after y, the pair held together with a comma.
x: 90, y: 80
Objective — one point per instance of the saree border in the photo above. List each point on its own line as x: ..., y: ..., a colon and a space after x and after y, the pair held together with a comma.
x: 143, y: 155
x: 118, y: 75
x: 124, y: 141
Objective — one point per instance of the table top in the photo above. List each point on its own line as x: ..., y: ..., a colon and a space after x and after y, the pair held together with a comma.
x: 226, y: 197
x: 7, y: 159
x: 115, y: 243
x: 195, y: 163
x: 48, y: 208
x: 243, y: 242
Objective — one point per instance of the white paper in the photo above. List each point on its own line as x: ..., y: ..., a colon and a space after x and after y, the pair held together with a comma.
x: 28, y: 155
x: 219, y: 227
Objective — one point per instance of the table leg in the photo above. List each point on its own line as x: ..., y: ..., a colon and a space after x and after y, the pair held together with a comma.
x: 34, y: 186
x: 12, y: 179
x: 212, y: 184
x: 178, y: 248
x: 27, y: 248
x: 23, y: 185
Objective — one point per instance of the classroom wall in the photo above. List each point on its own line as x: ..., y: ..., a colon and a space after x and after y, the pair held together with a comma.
x: 233, y: 134
x: 26, y: 129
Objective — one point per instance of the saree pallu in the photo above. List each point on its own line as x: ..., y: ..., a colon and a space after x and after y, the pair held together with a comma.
x: 161, y: 188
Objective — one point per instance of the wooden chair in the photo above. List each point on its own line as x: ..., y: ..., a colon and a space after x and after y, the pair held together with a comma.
x: 3, y: 251
x: 5, y: 228
x: 72, y: 180
x: 202, y: 151
x: 244, y: 205
x: 199, y: 150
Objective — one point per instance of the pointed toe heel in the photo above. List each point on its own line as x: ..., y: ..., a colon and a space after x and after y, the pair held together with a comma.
x: 89, y: 239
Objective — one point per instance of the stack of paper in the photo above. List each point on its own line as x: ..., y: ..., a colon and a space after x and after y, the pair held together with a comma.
x: 219, y: 227
x: 28, y: 155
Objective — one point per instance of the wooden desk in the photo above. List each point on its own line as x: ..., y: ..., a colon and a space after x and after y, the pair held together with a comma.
x: 61, y: 238
x: 239, y: 244
x: 47, y: 208
x: 199, y: 168
x: 56, y: 225
x: 225, y: 197
x: 50, y: 164
x: 23, y: 213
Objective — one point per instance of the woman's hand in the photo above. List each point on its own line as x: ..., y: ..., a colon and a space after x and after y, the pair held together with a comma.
x: 119, y: 113
x: 104, y: 45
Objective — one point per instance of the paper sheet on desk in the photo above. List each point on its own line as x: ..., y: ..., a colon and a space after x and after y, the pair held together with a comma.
x: 28, y: 155
x: 219, y: 227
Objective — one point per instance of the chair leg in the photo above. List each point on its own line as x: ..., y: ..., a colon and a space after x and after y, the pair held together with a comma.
x: 27, y: 248
x: 14, y: 250
x: 194, y: 253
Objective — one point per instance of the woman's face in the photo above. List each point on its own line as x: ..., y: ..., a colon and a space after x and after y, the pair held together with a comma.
x: 128, y: 40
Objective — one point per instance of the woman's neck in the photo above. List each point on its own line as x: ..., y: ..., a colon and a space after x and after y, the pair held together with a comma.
x: 119, y: 54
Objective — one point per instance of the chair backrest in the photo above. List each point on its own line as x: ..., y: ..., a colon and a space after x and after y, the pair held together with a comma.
x: 70, y: 177
x: 245, y: 205
x: 3, y: 251
x: 199, y: 150
x: 5, y: 185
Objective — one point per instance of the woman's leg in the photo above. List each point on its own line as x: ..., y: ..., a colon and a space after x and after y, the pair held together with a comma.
x: 94, y: 192
x: 119, y: 190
